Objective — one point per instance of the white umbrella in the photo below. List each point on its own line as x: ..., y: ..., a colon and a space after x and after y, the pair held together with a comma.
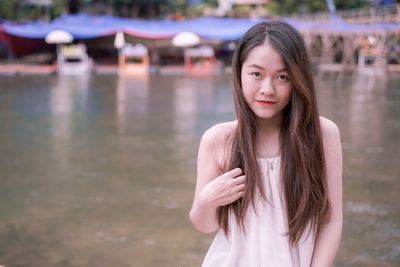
x: 119, y: 40
x: 59, y: 37
x: 185, y: 39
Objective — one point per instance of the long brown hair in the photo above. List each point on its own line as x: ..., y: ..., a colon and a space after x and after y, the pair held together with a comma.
x: 303, y: 174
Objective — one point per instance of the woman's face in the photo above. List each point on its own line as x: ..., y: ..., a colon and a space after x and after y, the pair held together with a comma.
x: 265, y: 82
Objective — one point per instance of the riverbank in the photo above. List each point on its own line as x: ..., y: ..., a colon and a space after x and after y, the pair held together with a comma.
x: 14, y: 69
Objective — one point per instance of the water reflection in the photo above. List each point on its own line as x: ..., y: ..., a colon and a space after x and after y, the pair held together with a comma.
x: 69, y: 93
x: 105, y: 165
x: 68, y: 97
x: 367, y: 111
x: 362, y: 109
x: 185, y: 105
x: 131, y: 98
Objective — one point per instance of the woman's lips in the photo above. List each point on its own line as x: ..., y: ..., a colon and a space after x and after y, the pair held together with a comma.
x: 265, y: 103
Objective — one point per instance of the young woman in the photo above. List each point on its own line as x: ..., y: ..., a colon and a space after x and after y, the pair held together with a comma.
x: 270, y: 183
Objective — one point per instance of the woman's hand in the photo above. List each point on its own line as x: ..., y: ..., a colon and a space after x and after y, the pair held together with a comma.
x: 224, y: 189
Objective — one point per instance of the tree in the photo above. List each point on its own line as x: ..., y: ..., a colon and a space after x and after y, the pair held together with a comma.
x: 73, y: 6
x: 148, y: 8
x: 348, y: 4
x: 288, y: 7
x: 9, y: 9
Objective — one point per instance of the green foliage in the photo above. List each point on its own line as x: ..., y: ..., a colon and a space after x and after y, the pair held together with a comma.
x: 316, y: 6
x: 199, y: 9
x: 211, y: 3
x: 9, y: 9
x: 16, y: 10
x: 283, y: 7
x: 289, y: 7
x: 241, y: 11
x: 149, y: 7
x: 58, y: 8
x: 348, y: 4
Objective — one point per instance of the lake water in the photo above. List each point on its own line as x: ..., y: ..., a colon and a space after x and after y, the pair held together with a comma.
x: 100, y: 170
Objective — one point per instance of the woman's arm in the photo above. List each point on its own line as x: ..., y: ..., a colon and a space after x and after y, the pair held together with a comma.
x: 213, y: 188
x: 328, y: 238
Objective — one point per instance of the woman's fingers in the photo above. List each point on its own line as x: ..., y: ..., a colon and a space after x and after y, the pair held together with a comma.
x: 239, y: 180
x: 234, y: 173
x: 229, y: 187
x: 238, y: 188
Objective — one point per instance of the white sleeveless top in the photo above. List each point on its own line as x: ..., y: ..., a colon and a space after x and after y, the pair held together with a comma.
x: 265, y: 243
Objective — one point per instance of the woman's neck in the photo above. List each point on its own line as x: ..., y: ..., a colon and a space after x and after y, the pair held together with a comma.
x: 268, y: 126
x: 268, y: 138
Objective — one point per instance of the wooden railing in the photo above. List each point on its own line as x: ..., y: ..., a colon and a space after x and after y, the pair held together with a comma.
x: 389, y: 13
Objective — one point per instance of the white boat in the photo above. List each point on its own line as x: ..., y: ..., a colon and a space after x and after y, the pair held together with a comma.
x: 200, y: 60
x: 73, y: 60
x: 134, y: 59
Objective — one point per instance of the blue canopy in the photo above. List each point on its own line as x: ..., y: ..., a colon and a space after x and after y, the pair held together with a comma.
x: 27, y: 37
x: 83, y: 26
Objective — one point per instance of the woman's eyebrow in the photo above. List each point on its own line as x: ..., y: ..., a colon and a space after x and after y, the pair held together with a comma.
x: 282, y: 70
x: 261, y: 68
x: 255, y: 66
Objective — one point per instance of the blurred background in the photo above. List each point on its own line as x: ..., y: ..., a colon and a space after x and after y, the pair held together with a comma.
x: 103, y: 104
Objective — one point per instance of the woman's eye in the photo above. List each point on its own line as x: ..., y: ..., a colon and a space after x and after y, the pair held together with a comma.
x: 256, y: 74
x: 283, y: 77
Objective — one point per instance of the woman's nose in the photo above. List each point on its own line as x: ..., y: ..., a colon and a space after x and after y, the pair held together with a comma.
x: 267, y: 87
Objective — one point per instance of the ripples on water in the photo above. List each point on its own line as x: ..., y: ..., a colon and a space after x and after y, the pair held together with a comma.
x: 100, y: 170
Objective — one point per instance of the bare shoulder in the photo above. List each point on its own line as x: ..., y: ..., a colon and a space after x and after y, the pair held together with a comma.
x: 217, y: 141
x: 329, y: 129
x: 219, y: 133
x: 331, y: 140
